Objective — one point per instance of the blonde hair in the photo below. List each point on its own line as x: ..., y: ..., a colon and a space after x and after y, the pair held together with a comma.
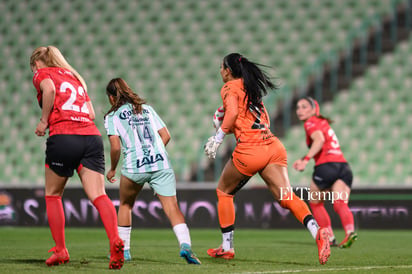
x: 52, y: 57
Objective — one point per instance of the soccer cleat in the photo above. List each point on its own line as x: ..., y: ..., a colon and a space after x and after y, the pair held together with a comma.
x: 58, y: 257
x: 187, y: 253
x: 219, y: 253
x: 322, y: 241
x: 127, y: 256
x: 349, y: 240
x: 116, y: 254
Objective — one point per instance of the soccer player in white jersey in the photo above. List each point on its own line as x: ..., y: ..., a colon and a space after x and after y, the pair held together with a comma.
x: 136, y: 129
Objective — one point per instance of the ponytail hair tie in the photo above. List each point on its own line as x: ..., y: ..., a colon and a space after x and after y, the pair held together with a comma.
x: 317, y: 108
x: 314, y: 105
x: 240, y: 58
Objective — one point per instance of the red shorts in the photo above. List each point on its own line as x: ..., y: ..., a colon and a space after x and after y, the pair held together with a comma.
x: 249, y: 160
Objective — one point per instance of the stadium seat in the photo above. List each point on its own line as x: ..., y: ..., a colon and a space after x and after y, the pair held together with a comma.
x: 373, y: 124
x: 172, y: 60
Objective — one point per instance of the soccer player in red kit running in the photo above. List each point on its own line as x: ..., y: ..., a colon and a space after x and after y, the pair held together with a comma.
x: 74, y: 143
x: 257, y: 150
x: 332, y: 172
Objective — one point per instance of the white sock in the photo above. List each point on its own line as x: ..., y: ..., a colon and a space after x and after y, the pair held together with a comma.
x: 182, y: 234
x: 124, y: 234
x: 313, y: 227
x: 227, y: 242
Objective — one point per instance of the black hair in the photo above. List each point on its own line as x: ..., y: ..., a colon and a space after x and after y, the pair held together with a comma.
x: 255, y: 80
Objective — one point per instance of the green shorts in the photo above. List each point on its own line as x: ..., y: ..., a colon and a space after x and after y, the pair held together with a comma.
x: 163, y: 182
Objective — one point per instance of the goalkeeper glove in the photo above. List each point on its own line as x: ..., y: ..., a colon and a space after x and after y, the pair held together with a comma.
x: 213, y: 144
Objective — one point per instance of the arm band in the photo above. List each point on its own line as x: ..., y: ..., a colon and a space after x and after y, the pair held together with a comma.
x: 307, y: 158
x: 220, y: 135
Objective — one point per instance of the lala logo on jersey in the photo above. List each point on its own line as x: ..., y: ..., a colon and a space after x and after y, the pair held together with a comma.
x: 149, y: 159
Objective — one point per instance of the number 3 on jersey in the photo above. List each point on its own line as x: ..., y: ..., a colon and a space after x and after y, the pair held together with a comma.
x: 69, y: 104
x: 335, y: 142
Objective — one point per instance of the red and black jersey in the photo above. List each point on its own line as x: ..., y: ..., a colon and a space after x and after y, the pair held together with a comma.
x: 331, y: 151
x: 70, y: 114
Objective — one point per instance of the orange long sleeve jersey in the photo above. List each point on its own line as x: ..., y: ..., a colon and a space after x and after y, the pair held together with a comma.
x: 251, y: 126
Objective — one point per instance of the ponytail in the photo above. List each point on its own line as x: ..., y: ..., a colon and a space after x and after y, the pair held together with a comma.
x: 255, y: 80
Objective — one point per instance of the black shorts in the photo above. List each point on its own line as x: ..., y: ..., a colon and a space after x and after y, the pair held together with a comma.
x: 65, y: 153
x: 325, y: 175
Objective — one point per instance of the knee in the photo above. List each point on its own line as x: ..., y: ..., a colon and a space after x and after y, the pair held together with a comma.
x: 222, y: 194
x: 127, y: 201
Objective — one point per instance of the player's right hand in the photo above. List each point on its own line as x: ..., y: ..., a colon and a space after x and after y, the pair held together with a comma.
x: 299, y: 165
x: 110, y: 176
x: 41, y: 128
x: 211, y: 147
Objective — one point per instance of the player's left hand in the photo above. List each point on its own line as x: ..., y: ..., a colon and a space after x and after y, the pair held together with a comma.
x: 211, y: 147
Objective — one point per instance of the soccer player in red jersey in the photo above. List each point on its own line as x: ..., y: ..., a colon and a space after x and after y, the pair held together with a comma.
x: 74, y: 143
x: 332, y: 173
x: 257, y: 151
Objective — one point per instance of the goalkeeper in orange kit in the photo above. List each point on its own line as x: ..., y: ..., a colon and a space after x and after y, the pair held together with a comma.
x: 257, y: 151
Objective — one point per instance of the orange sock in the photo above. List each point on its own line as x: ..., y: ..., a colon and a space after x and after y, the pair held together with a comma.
x: 298, y: 207
x: 225, y: 209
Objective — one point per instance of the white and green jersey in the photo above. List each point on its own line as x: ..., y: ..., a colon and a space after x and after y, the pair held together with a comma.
x: 142, y: 146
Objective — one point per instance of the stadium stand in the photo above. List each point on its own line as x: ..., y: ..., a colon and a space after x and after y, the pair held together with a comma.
x: 372, y: 119
x: 169, y: 52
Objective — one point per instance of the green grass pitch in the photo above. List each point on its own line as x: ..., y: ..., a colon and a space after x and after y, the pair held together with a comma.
x: 24, y: 250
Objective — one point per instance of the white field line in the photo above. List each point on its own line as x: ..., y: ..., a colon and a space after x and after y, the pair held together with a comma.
x: 333, y: 269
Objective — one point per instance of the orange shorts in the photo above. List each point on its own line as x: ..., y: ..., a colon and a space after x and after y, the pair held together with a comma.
x: 249, y: 160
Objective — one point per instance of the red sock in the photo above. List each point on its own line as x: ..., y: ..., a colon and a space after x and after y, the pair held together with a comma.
x: 321, y: 216
x: 225, y: 209
x: 55, y: 216
x: 108, y: 215
x: 298, y: 207
x: 346, y: 216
